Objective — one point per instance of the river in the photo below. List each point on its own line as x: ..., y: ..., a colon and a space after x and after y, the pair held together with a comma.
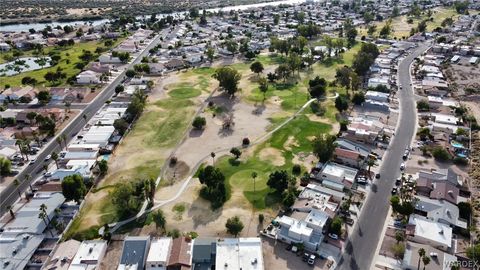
x: 40, y: 26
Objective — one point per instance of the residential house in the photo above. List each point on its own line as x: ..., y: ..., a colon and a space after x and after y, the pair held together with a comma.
x: 180, y: 255
x: 351, y: 158
x: 204, y: 252
x: 441, y: 175
x: 88, y: 77
x: 439, y: 211
x: 89, y: 255
x: 336, y: 176
x: 309, y: 232
x: 63, y: 255
x: 22, y: 236
x: 442, y: 190
x: 134, y: 252
x: 159, y: 253
x: 239, y: 253
x: 175, y: 64
x: 439, y: 260
x: 424, y: 231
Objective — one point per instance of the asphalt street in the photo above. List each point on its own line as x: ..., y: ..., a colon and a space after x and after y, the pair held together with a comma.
x: 361, y: 246
x: 10, y: 194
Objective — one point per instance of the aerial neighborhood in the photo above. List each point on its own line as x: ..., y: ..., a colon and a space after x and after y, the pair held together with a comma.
x: 317, y: 134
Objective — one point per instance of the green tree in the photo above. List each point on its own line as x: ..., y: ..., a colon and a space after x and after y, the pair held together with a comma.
x: 103, y: 166
x: 324, y: 146
x: 121, y: 125
x: 317, y: 87
x: 210, y: 52
x: 5, y: 166
x: 426, y: 261
x: 473, y: 253
x: 55, y: 158
x: 358, y: 98
x: 236, y: 152
x: 421, y: 254
x: 228, y: 79
x: 283, y: 71
x: 234, y: 225
x: 278, y: 181
x: 440, y: 154
x: 44, y: 97
x: 73, y: 188
x: 159, y: 219
x: 256, y: 67
x: 341, y: 103
x: 336, y: 226
x: 199, y: 122
x: 263, y: 86
x: 130, y: 73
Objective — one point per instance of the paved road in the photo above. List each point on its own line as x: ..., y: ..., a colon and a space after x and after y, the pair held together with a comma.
x: 362, y: 243
x: 10, y: 194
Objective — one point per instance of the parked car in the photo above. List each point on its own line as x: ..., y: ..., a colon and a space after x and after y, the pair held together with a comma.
x: 394, y: 191
x: 398, y: 223
x: 305, y: 257
x: 349, y: 221
x: 377, y: 176
x: 311, y: 259
x: 398, y: 182
x: 289, y: 247
x: 333, y: 236
x: 402, y: 166
x: 48, y: 157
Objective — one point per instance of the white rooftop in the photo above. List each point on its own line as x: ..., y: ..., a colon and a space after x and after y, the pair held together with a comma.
x: 159, y: 250
x: 431, y: 230
x: 89, y: 253
x: 242, y: 253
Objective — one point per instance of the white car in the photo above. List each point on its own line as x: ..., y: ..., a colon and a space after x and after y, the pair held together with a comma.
x: 47, y: 158
x: 402, y: 166
x: 32, y: 161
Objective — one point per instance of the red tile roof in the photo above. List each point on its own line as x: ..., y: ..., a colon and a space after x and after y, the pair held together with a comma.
x: 339, y: 152
x: 181, y: 254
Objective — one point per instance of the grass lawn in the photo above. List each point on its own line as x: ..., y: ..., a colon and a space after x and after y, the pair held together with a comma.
x: 69, y: 58
x: 327, y: 68
x: 402, y: 28
x: 143, y: 150
x: 238, y: 173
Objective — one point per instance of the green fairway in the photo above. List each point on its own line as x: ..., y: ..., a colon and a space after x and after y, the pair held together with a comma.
x: 238, y: 173
x: 184, y: 90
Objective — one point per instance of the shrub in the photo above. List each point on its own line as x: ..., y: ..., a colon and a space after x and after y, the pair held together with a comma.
x: 296, y: 169
x: 460, y: 161
x: 199, y: 122
x: 245, y: 141
x: 441, y: 154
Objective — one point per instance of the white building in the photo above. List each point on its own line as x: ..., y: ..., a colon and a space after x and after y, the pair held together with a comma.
x: 89, y: 255
x: 337, y: 176
x: 377, y: 96
x: 425, y: 231
x: 157, y: 258
x: 88, y: 77
x: 239, y: 253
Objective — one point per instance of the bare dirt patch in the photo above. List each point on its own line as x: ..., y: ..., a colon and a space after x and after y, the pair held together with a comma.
x: 272, y: 155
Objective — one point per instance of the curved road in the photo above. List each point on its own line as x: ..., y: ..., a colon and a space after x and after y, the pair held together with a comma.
x: 361, y: 245
x: 10, y: 194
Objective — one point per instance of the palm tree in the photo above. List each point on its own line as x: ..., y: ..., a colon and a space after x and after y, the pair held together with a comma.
x: 426, y: 261
x: 159, y: 219
x: 43, y: 208
x: 59, y: 140
x: 43, y: 215
x: 19, y: 143
x: 421, y: 253
x: 254, y: 175
x: 55, y: 158
x: 213, y: 158
x: 17, y: 184
x: 10, y: 209
x: 27, y: 179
